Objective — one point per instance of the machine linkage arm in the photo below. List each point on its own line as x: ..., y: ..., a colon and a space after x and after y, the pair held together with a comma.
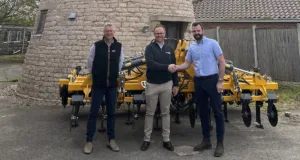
x: 134, y: 63
x: 231, y: 67
x: 129, y: 59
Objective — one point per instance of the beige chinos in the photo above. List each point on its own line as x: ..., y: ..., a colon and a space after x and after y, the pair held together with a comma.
x: 163, y: 94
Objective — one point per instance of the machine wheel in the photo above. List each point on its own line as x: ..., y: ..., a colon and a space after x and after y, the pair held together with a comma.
x: 246, y: 113
x: 192, y: 114
x: 272, y: 114
x: 64, y: 95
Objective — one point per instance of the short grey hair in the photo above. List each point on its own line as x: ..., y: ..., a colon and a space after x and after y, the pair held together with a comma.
x: 109, y: 25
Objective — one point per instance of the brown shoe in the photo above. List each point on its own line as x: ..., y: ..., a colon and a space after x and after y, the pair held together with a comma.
x: 113, y: 146
x: 88, y: 148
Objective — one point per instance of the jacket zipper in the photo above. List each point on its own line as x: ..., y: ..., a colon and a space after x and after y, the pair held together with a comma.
x: 108, y: 64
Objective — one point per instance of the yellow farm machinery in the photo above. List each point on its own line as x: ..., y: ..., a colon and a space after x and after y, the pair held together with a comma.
x: 241, y: 87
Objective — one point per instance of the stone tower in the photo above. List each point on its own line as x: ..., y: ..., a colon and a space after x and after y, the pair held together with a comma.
x: 66, y: 29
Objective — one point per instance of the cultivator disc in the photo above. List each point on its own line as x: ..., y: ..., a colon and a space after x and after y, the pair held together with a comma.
x: 246, y: 114
x: 272, y: 114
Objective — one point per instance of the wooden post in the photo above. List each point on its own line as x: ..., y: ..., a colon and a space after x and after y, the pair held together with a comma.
x: 218, y: 34
x: 254, y: 46
x: 298, y: 31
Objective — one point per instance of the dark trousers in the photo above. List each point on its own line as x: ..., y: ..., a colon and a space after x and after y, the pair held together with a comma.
x: 97, y: 99
x: 207, y: 88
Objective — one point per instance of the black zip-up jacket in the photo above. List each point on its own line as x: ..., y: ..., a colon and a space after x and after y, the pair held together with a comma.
x: 158, y: 61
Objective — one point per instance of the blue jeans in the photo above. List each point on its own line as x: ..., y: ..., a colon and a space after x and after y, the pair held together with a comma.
x: 204, y: 89
x: 97, y: 99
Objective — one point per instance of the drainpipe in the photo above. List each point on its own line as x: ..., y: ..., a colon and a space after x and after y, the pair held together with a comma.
x: 23, y: 40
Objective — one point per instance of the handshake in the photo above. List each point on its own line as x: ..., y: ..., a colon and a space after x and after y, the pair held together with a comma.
x: 173, y: 68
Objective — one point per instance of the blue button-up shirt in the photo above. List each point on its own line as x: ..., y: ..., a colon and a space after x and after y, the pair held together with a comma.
x: 204, y: 56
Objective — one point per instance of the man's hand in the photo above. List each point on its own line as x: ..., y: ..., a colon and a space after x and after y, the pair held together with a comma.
x: 172, y: 68
x: 175, y: 90
x: 183, y: 66
x: 220, y: 87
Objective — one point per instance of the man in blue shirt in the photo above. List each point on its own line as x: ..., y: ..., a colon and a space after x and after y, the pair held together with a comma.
x: 209, y: 62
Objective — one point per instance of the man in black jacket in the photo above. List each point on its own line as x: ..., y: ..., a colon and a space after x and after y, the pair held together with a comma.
x: 104, y: 63
x: 161, y: 83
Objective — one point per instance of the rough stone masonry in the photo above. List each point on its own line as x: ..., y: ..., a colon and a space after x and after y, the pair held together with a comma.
x: 64, y: 43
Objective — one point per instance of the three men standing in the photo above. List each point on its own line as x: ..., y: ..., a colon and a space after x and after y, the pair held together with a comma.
x: 162, y: 81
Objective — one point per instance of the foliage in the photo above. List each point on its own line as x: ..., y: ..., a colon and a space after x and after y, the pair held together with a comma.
x: 18, y: 12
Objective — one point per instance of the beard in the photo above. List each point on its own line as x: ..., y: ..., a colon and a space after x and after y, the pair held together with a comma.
x: 198, y: 36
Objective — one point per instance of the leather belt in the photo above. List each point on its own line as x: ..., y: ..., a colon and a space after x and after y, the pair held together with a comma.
x: 205, y: 77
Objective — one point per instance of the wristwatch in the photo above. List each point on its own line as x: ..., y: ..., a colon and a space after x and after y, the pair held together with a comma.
x: 221, y: 80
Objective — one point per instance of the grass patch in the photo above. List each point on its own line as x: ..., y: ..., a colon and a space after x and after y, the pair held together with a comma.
x: 17, y: 58
x: 289, y: 92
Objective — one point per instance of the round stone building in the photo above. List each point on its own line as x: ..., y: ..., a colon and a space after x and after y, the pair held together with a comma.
x: 66, y: 29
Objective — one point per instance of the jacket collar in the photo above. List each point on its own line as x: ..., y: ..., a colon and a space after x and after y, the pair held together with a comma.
x: 114, y: 39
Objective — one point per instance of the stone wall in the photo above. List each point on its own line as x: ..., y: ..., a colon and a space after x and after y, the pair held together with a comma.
x: 64, y: 43
x: 14, y: 39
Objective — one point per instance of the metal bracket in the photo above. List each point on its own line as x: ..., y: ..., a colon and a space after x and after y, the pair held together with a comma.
x: 77, y: 98
x: 272, y: 96
x: 246, y: 96
x: 139, y: 98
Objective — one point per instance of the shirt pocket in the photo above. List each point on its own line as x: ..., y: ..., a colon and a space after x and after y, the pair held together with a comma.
x: 207, y: 51
x: 196, y: 55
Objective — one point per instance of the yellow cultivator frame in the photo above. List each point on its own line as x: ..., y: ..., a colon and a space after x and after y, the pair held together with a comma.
x: 240, y: 86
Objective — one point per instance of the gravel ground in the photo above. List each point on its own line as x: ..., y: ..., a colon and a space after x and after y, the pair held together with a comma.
x: 35, y: 130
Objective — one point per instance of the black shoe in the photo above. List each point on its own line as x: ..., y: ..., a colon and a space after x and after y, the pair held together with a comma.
x: 219, y: 149
x: 168, y: 145
x: 205, y: 144
x: 145, y: 145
